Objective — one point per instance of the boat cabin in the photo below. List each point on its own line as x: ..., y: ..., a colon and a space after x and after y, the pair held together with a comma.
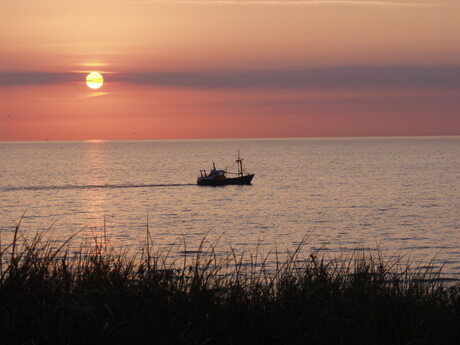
x: 214, y: 173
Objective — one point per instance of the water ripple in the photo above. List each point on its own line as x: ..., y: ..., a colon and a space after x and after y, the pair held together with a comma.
x: 95, y: 186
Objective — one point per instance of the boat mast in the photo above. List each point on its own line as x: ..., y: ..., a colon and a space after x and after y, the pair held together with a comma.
x: 239, y: 161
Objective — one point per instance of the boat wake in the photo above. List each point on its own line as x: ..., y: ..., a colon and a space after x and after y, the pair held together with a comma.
x: 95, y: 186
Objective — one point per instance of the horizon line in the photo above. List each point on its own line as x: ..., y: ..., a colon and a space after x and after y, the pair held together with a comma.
x: 452, y: 136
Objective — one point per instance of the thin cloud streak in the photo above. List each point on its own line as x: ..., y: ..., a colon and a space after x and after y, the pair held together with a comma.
x: 381, y: 3
x: 333, y: 78
x: 8, y: 79
x: 347, y: 78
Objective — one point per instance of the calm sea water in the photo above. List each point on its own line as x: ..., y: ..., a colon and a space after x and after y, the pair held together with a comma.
x: 400, y: 194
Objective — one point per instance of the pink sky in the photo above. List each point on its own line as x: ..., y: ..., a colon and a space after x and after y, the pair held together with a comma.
x: 207, y: 69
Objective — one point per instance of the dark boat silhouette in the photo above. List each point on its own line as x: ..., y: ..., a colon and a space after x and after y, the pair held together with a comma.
x: 217, y: 177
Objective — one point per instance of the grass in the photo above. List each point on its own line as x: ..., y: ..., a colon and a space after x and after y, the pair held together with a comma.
x: 97, y: 295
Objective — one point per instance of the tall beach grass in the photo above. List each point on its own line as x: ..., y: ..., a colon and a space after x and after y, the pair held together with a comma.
x: 99, y: 295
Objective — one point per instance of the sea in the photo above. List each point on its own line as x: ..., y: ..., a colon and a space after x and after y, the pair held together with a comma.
x: 394, y: 196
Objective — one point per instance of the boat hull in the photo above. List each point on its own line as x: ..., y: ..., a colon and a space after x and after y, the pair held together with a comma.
x: 240, y: 180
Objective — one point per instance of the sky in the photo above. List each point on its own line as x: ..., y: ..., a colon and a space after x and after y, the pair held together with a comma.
x: 229, y: 68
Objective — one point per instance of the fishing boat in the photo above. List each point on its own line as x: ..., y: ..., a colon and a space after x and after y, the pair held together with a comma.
x: 217, y: 177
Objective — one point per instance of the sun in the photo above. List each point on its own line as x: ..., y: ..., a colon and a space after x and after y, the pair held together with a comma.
x: 94, y: 80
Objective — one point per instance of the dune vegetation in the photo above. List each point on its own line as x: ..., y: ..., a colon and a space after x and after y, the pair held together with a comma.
x: 98, y: 295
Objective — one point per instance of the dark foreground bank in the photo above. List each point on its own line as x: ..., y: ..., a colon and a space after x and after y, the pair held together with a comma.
x: 50, y: 296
